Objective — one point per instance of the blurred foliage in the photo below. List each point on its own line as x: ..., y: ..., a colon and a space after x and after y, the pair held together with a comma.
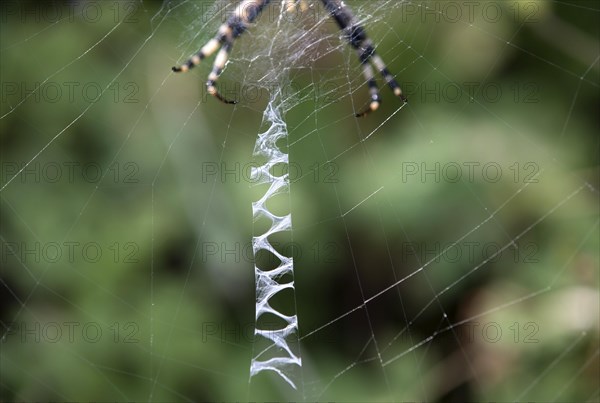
x: 126, y: 268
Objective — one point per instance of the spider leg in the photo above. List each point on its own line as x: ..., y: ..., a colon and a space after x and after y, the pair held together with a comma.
x: 388, y: 77
x: 364, y: 57
x: 292, y: 4
x: 243, y: 15
x: 357, y: 37
x: 204, y: 52
x: 218, y: 67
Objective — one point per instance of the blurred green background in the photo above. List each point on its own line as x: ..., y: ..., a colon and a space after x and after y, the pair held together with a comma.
x: 126, y: 222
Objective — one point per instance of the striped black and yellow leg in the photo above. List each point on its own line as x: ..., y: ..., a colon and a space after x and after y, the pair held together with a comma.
x: 372, y: 83
x: 388, y: 77
x: 292, y: 5
x: 367, y: 55
x: 358, y: 39
x: 243, y: 15
x: 218, y: 67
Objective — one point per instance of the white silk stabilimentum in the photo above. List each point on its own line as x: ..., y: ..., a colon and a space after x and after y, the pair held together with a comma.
x: 279, y: 352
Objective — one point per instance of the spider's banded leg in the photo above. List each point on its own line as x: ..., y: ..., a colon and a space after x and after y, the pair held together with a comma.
x: 291, y: 5
x: 365, y: 56
x: 218, y: 67
x: 388, y: 77
x: 243, y: 15
x: 204, y: 52
x: 357, y: 37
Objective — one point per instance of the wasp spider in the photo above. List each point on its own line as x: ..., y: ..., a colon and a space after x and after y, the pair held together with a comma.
x: 247, y: 12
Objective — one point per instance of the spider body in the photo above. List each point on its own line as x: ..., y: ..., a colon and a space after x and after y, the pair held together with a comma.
x: 247, y: 12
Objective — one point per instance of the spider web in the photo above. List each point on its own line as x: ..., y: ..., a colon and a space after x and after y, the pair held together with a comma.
x: 443, y: 250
